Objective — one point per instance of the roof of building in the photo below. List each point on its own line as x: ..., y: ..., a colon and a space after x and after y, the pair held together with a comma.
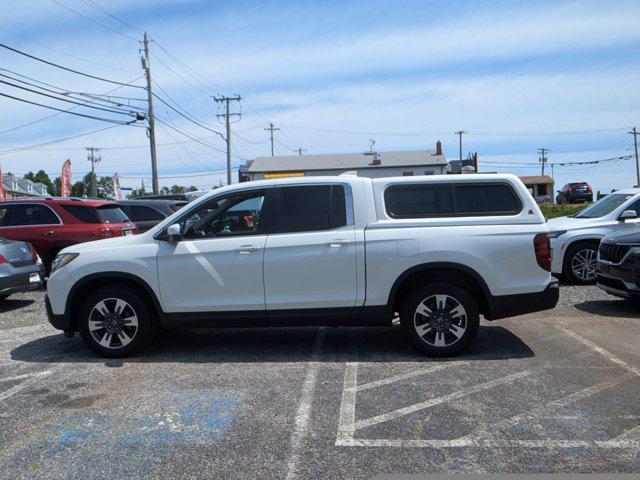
x: 536, y: 179
x: 348, y: 161
x: 22, y: 186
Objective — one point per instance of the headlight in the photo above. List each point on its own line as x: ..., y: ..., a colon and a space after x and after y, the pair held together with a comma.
x: 557, y: 233
x: 61, y: 260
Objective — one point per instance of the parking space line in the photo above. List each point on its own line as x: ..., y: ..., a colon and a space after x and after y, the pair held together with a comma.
x: 304, y: 407
x: 401, y: 412
x: 493, y: 443
x: 631, y: 434
x: 407, y: 375
x: 346, y: 422
x: 21, y: 386
x: 605, y: 353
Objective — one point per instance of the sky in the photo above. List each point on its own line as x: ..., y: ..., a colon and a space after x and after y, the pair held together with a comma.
x: 517, y: 76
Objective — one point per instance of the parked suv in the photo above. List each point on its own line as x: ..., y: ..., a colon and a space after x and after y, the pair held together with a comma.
x: 439, y: 250
x: 575, y: 239
x: 148, y: 213
x: 577, y: 192
x: 51, y: 224
x: 619, y: 264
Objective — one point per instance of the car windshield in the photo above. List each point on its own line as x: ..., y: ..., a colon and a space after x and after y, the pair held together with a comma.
x: 605, y: 206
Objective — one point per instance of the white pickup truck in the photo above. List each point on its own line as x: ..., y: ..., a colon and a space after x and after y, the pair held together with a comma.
x: 436, y: 250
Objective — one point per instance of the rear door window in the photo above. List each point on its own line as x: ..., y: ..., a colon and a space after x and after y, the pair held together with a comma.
x: 311, y: 208
x: 486, y: 200
x: 142, y: 213
x: 5, y: 215
x: 83, y: 213
x: 33, y: 214
x: 111, y: 214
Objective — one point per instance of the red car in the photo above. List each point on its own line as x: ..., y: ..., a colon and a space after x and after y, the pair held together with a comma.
x: 51, y: 224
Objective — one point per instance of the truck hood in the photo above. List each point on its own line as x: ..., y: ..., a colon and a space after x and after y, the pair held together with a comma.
x: 574, y: 223
x: 624, y: 237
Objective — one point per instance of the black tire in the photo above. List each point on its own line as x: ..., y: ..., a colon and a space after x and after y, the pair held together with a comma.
x: 573, y: 251
x: 139, y: 338
x: 411, y: 320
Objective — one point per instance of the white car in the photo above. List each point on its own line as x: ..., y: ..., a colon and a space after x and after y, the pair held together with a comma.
x: 438, y: 250
x: 575, y: 239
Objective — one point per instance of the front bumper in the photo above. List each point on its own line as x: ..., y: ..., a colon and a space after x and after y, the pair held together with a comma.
x: 621, y: 280
x: 581, y: 197
x: 504, y: 306
x: 61, y: 322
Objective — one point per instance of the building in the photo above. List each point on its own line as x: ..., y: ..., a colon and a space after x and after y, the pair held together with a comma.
x: 370, y: 164
x: 21, y: 187
x: 541, y: 187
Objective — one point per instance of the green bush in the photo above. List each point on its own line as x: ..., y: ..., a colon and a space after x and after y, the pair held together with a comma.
x: 553, y: 211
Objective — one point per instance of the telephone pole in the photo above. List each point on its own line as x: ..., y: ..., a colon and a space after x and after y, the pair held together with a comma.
x: 459, y: 133
x: 151, y: 130
x: 299, y: 150
x: 634, y: 132
x: 94, y: 157
x: 543, y: 157
x: 272, y: 129
x: 227, y: 115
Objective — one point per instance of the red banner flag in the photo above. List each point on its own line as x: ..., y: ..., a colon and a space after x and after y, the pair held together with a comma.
x: 66, y: 179
x: 117, y: 192
x: 1, y: 184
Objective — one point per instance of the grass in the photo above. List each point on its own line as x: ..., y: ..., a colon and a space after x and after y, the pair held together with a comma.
x: 553, y: 211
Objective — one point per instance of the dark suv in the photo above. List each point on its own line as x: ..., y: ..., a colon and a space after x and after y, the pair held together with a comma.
x: 148, y: 213
x: 51, y: 224
x: 578, y: 192
x: 619, y: 264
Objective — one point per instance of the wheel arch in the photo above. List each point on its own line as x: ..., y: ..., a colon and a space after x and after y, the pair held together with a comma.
x: 90, y: 283
x: 450, y: 272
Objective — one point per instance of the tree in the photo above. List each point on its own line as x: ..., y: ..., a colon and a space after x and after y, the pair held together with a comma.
x: 77, y: 189
x: 41, y: 177
x: 57, y: 187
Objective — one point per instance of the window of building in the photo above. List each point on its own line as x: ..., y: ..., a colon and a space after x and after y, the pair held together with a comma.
x: 407, y: 174
x: 311, y: 208
x: 429, y: 172
x: 33, y: 214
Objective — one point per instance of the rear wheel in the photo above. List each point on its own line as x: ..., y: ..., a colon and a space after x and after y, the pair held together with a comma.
x: 580, y: 263
x: 115, y: 322
x: 440, y: 319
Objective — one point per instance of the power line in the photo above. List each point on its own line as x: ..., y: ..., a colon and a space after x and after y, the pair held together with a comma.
x: 77, y: 72
x: 68, y: 111
x: 186, y: 116
x: 106, y: 12
x: 94, y: 21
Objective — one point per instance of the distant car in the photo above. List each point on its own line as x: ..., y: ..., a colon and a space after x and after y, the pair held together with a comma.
x: 577, y: 192
x: 148, y: 213
x: 187, y: 197
x: 51, y: 224
x: 20, y: 268
x: 575, y: 239
x: 619, y: 264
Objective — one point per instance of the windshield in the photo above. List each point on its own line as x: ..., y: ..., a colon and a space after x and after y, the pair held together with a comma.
x: 112, y: 214
x: 605, y: 206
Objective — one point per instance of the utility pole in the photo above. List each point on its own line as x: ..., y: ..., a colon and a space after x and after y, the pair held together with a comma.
x: 543, y: 157
x: 634, y: 132
x: 272, y: 129
x: 94, y: 157
x: 227, y: 115
x: 299, y: 150
x: 151, y: 130
x: 459, y: 133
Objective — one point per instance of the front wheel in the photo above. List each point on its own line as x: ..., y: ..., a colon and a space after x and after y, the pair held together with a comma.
x: 580, y: 263
x: 440, y: 319
x: 115, y: 322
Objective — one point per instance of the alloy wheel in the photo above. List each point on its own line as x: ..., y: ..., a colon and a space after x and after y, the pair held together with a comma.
x: 583, y: 264
x: 113, y: 323
x: 440, y: 320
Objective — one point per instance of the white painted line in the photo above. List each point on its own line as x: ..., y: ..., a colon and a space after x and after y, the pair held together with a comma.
x: 304, y: 407
x: 631, y: 434
x: 608, y: 355
x: 401, y: 412
x: 346, y: 423
x: 21, y: 386
x: 407, y: 375
x: 497, y: 443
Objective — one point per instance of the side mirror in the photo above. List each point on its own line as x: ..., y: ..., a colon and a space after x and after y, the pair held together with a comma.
x: 628, y: 215
x: 174, y: 233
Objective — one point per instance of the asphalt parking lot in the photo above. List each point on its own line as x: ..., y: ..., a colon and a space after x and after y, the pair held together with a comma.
x: 550, y: 392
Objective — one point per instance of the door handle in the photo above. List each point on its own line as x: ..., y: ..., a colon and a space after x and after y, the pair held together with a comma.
x: 48, y: 232
x: 337, y: 243
x: 249, y: 249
